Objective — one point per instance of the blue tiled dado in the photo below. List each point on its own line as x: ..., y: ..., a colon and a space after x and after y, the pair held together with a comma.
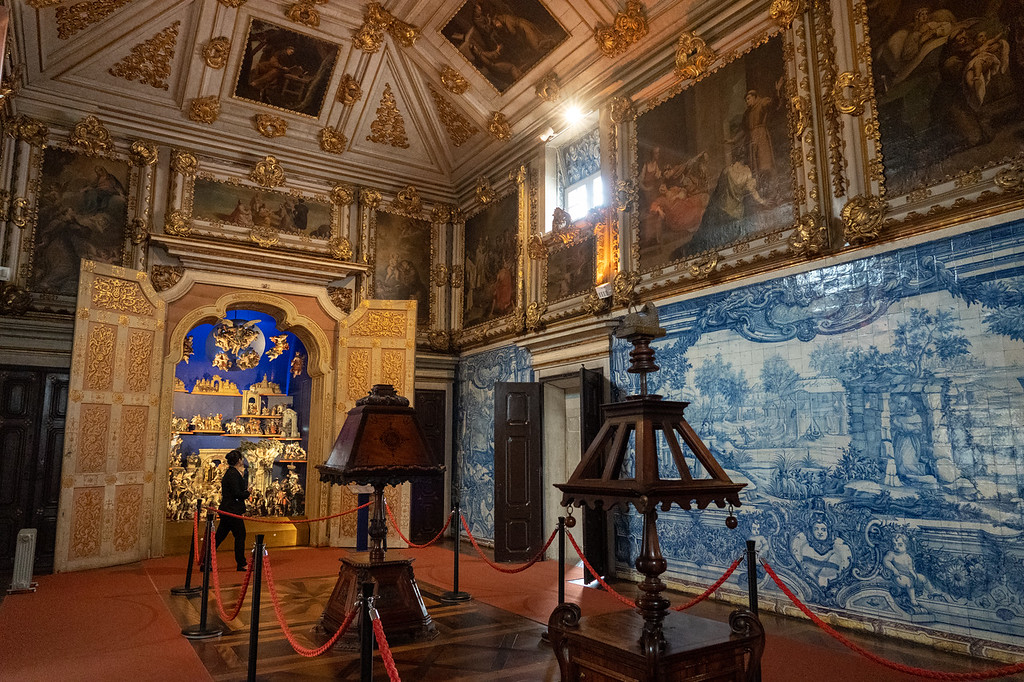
x: 876, y: 410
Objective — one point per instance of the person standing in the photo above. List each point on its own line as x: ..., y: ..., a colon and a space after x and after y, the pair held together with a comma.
x: 234, y: 491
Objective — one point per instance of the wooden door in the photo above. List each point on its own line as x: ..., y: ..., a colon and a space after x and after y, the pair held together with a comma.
x: 106, y: 500
x: 518, y: 471
x: 427, y: 513
x: 33, y: 403
x: 595, y: 521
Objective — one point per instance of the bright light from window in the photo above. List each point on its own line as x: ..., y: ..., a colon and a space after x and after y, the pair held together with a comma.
x: 573, y: 114
x: 576, y: 202
x: 597, y: 196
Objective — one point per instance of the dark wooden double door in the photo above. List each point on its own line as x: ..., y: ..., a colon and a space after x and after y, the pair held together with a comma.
x: 33, y: 407
x: 519, y: 531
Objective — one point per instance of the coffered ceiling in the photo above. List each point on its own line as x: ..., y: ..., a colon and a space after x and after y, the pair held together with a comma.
x: 349, y: 89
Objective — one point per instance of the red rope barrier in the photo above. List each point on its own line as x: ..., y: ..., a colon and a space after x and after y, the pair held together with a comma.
x: 266, y: 519
x: 385, y: 650
x: 241, y: 595
x: 502, y: 569
x: 625, y: 600
x: 299, y: 649
x: 910, y: 670
x: 394, y: 524
x: 707, y: 593
x: 195, y: 538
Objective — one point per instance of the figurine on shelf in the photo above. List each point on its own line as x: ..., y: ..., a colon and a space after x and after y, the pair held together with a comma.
x: 293, y: 491
x: 294, y: 451
x: 289, y: 423
x: 179, y: 425
x: 235, y: 428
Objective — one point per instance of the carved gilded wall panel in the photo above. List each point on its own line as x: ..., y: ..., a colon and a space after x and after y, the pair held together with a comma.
x: 377, y: 344
x: 111, y: 434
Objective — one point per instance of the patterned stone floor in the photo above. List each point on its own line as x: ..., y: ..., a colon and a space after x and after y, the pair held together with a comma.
x: 474, y: 642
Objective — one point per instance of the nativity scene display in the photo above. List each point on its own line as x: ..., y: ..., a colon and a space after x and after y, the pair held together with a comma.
x: 241, y: 384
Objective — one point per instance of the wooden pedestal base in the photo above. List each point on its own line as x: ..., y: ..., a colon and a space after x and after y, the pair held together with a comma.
x: 398, y: 599
x: 605, y: 648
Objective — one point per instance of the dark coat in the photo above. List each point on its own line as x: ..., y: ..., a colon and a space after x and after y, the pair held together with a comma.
x: 234, y: 492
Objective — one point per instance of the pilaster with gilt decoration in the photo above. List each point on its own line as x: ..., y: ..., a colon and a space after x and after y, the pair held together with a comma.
x: 184, y: 162
x: 536, y: 249
x: 862, y: 218
x: 370, y: 198
x: 850, y: 93
x: 458, y: 276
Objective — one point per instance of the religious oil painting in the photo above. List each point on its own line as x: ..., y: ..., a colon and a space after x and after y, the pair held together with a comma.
x: 492, y: 251
x: 949, y: 85
x: 221, y: 202
x: 714, y: 161
x: 570, y: 269
x: 503, y: 40
x: 83, y: 213
x: 402, y: 261
x: 285, y: 69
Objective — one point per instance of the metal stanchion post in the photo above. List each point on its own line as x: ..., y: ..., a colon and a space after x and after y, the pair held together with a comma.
x: 202, y: 631
x: 561, y: 560
x: 254, y: 617
x: 366, y: 635
x: 455, y: 595
x: 752, y: 574
x: 187, y: 590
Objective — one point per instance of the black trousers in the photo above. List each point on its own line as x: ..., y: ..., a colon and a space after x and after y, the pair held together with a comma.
x: 229, y: 524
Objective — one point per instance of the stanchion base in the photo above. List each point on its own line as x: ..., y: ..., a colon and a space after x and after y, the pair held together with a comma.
x: 545, y: 638
x: 183, y: 591
x: 454, y: 597
x: 195, y: 632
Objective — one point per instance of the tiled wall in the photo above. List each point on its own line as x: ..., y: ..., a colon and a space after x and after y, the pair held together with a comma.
x: 876, y: 410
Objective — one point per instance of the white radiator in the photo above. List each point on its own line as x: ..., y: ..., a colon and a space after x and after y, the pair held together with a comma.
x: 24, y: 560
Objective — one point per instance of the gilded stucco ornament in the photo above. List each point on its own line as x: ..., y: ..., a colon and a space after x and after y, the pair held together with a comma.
x: 801, y: 106
x: 630, y: 25
x: 534, y: 312
x: 184, y: 162
x: 621, y: 109
x: 407, y: 201
x: 343, y: 194
x: 439, y: 275
x: 484, y: 193
x: 1011, y: 178
x: 370, y: 198
x: 14, y: 301
x: 20, y: 212
x: 453, y: 81
x: 149, y: 62
x: 595, y: 305
x: 178, y: 223
x: 267, y: 173
x: 560, y: 219
x: 376, y: 20
x: 536, y: 249
x: 702, y: 269
x: 138, y: 230
x: 264, y: 236
x: 499, y: 127
x: 142, y: 153
x: 30, y: 130
x: 304, y: 13
x: 91, y: 137
x: 693, y: 56
x: 862, y: 218
x: 349, y: 91
x: 458, y: 276
x: 389, y: 126
x: 340, y: 249
x: 332, y: 140
x: 269, y: 125
x: 164, y: 277
x: 811, y: 234
x: 234, y: 4
x: 783, y: 12
x: 444, y: 213
x: 549, y: 88
x: 216, y: 51
x: 459, y: 128
x: 341, y: 297
x: 627, y: 194
x: 204, y: 109
x: 850, y: 93
x: 624, y: 288
x: 439, y: 340
x: 72, y: 19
